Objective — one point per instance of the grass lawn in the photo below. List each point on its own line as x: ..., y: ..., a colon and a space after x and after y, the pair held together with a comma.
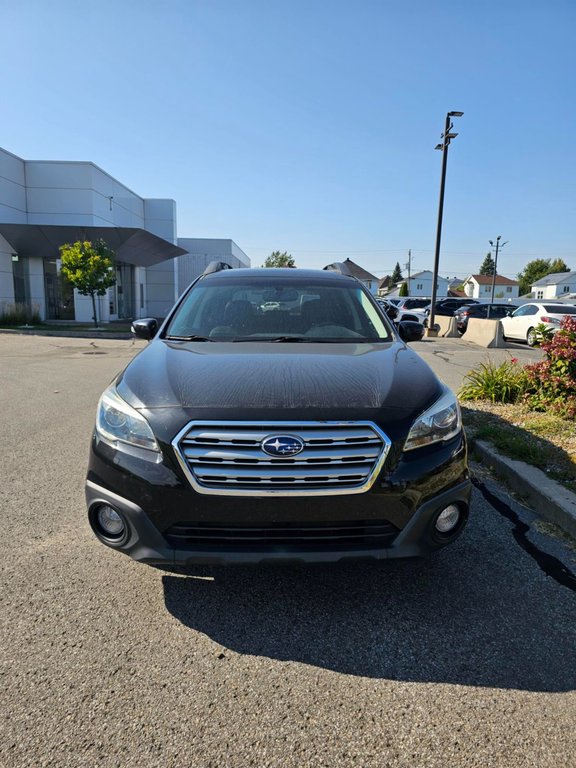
x: 541, y: 439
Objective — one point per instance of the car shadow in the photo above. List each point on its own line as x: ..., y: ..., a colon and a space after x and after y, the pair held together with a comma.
x: 469, y: 616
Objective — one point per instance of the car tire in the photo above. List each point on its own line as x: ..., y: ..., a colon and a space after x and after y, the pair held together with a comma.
x: 531, y: 339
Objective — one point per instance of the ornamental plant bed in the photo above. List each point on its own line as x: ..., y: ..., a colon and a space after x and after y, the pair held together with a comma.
x: 543, y: 440
x: 529, y: 412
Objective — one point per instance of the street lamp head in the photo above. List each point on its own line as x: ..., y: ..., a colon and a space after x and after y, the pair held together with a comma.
x: 455, y: 114
x: 491, y: 243
x: 439, y: 146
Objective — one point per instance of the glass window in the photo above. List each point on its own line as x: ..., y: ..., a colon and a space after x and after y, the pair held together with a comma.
x: 58, y: 291
x: 20, y: 275
x: 527, y: 309
x: 241, y: 308
x: 556, y: 309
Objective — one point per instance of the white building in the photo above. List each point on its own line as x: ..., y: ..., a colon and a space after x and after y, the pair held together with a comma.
x: 480, y: 287
x: 555, y: 286
x: 420, y: 284
x: 200, y: 252
x: 44, y: 204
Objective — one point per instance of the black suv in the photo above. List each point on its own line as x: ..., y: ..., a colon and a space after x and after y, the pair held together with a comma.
x: 449, y: 307
x: 277, y: 414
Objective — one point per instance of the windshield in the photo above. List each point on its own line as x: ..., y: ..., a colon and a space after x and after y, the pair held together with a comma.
x: 278, y: 309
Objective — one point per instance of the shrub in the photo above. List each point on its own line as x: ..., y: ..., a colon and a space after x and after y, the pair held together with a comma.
x: 552, y: 381
x: 543, y: 333
x: 20, y: 314
x: 504, y: 383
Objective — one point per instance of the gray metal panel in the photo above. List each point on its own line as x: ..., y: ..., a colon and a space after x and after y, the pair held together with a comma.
x: 132, y: 245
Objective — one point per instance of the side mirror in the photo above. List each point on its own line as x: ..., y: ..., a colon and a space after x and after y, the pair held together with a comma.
x: 145, y: 329
x: 410, y: 330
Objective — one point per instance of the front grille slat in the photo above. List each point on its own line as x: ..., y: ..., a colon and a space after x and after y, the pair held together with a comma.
x: 313, y: 437
x: 227, y: 457
x: 361, y: 534
x: 268, y: 474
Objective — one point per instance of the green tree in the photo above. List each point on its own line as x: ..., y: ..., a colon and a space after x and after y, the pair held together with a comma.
x: 89, y: 267
x: 278, y: 259
x: 537, y: 269
x: 488, y: 265
x: 559, y: 265
x: 404, y: 289
x: 397, y: 274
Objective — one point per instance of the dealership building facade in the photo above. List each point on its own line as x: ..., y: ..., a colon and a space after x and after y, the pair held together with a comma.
x: 45, y: 204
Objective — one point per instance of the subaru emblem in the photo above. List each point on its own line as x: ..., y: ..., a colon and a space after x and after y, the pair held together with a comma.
x: 282, y: 445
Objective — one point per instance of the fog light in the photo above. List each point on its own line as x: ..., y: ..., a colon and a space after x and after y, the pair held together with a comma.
x: 110, y: 521
x: 448, y: 519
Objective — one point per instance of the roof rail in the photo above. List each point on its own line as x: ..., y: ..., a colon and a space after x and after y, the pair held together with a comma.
x: 340, y: 267
x: 216, y: 266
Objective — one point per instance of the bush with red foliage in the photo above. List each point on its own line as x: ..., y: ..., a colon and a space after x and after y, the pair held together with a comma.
x: 552, y: 382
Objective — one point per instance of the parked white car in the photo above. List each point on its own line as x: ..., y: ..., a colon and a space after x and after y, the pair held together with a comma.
x: 521, y: 324
x: 398, y: 313
x: 418, y: 315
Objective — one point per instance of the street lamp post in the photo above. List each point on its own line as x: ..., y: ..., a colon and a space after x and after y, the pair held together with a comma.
x: 446, y: 137
x: 498, y: 245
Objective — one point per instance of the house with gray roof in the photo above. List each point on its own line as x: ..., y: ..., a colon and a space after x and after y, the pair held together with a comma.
x: 420, y: 284
x: 555, y: 286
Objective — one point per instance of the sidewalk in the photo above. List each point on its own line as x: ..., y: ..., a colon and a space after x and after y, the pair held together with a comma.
x: 69, y: 333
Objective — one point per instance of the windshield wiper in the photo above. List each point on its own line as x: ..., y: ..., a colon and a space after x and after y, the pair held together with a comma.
x: 273, y: 339
x: 188, y: 338
x: 309, y: 340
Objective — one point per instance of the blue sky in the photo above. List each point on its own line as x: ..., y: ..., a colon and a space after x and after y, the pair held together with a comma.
x: 310, y: 126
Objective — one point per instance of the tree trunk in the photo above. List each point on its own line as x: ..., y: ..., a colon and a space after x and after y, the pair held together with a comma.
x: 94, y: 310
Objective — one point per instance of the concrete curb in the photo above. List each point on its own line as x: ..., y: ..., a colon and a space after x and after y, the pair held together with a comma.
x: 549, y: 499
x: 69, y: 334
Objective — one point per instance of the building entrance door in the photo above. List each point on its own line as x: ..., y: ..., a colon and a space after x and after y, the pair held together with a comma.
x: 59, y: 292
x: 125, y: 291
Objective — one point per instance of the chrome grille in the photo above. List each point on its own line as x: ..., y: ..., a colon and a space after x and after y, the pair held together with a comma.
x: 226, y: 458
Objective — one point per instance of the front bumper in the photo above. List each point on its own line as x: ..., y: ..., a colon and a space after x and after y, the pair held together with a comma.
x: 405, y: 504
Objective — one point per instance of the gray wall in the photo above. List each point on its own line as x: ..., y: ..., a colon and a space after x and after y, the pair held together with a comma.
x: 201, y: 251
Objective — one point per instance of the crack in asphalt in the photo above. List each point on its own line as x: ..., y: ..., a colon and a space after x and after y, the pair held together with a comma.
x: 548, y: 563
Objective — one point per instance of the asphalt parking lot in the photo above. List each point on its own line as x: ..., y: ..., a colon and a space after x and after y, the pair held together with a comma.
x: 468, y: 659
x: 451, y: 359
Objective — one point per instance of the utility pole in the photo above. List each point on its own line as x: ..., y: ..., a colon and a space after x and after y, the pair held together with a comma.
x: 498, y: 245
x: 407, y: 266
x: 446, y: 137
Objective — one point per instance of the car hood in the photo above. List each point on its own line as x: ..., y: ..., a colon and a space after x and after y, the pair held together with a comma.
x: 270, y: 381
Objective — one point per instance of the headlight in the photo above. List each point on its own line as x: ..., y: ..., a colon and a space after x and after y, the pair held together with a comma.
x: 440, y: 422
x: 117, y: 422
